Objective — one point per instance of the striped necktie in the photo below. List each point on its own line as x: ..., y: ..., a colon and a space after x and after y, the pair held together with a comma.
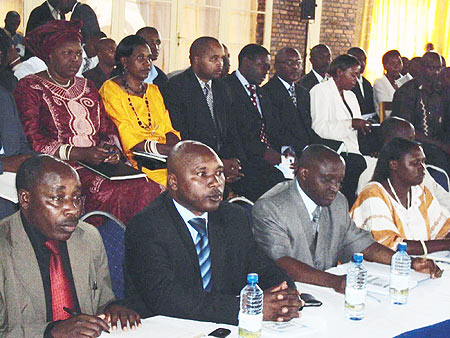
x: 253, y: 97
x: 203, y: 251
x: 293, y: 94
x: 315, y: 228
x: 210, y: 101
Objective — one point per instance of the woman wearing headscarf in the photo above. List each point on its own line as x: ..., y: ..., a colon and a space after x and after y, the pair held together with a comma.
x: 63, y: 116
x: 397, y: 207
x: 137, y: 108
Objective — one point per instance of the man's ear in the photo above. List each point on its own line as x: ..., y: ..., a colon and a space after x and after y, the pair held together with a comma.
x: 124, y: 61
x: 172, y: 182
x: 24, y: 198
x: 302, y: 174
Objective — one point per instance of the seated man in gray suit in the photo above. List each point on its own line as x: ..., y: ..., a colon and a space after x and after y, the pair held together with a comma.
x: 54, y: 277
x: 304, y: 224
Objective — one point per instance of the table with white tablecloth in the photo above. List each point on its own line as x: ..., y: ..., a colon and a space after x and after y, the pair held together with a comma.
x: 428, y: 303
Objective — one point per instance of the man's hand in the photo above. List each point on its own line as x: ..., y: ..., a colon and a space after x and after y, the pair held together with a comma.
x: 281, y: 303
x: 426, y: 266
x: 231, y: 168
x: 80, y: 326
x: 339, y: 283
x: 272, y: 156
x: 361, y: 125
x: 13, y: 162
x: 116, y: 312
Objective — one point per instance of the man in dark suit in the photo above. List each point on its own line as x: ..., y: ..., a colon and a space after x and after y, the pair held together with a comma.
x: 363, y: 89
x: 259, y: 128
x: 85, y: 14
x: 153, y: 39
x: 320, y: 57
x: 48, y: 11
x: 188, y: 253
x: 199, y: 104
x: 292, y: 102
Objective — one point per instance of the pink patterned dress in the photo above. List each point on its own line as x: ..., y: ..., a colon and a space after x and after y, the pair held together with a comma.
x: 52, y: 115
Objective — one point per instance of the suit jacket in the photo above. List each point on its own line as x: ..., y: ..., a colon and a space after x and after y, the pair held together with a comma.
x: 249, y: 120
x: 331, y: 118
x: 162, y: 263
x: 96, y: 75
x: 22, y: 301
x: 161, y: 79
x: 38, y: 17
x: 308, y: 81
x: 365, y: 102
x: 283, y: 227
x: 12, y: 139
x: 87, y: 16
x: 190, y: 114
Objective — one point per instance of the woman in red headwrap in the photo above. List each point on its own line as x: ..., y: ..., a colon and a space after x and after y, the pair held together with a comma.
x: 63, y: 115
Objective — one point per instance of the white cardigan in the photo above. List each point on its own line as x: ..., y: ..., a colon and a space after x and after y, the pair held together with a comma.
x: 331, y: 118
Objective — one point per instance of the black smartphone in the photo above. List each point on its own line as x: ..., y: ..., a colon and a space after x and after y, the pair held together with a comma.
x: 220, y: 332
x: 309, y: 300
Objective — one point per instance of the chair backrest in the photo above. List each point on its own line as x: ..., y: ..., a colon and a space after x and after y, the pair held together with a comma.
x: 385, y: 110
x: 439, y: 175
x: 113, y: 235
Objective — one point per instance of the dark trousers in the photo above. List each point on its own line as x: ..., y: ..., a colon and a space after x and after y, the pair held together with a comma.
x: 355, y: 164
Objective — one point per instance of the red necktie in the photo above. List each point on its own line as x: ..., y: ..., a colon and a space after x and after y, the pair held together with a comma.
x: 59, y: 283
x: 262, y: 132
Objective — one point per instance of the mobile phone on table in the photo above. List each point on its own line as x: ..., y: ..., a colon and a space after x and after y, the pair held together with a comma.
x: 220, y: 332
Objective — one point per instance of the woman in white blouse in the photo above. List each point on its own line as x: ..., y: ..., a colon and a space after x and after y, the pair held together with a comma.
x: 336, y: 115
x: 385, y: 87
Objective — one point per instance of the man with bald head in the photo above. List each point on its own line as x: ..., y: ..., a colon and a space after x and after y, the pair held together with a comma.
x: 153, y: 38
x: 320, y: 57
x: 421, y: 102
x: 188, y: 253
x: 363, y: 89
x: 51, y: 260
x: 304, y: 224
x: 199, y: 104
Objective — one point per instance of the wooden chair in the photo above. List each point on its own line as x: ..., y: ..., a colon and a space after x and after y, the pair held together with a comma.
x: 385, y: 110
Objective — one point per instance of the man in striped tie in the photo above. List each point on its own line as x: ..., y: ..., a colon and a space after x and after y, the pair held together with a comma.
x: 188, y: 252
x: 54, y: 270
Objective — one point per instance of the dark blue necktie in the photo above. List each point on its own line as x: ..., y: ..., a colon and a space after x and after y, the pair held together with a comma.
x: 202, y: 248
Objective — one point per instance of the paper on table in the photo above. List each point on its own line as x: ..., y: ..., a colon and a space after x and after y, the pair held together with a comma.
x: 379, y: 276
x: 293, y: 328
x: 8, y: 186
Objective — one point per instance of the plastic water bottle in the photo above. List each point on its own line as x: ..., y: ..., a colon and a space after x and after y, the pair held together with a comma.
x: 400, y: 266
x: 356, y: 289
x: 250, y: 313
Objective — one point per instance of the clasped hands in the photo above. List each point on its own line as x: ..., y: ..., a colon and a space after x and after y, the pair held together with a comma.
x: 90, y: 326
x: 281, y: 303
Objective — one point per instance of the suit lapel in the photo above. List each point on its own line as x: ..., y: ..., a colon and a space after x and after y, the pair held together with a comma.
x: 78, y: 249
x: 27, y: 268
x: 183, y: 233
x: 216, y: 236
x: 303, y: 229
x: 243, y: 96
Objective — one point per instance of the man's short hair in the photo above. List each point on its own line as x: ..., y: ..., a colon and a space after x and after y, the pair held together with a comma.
x: 283, y: 51
x: 391, y: 127
x: 317, y: 49
x: 252, y: 51
x: 342, y: 62
x: 146, y: 29
x: 31, y: 170
x: 315, y: 152
x: 200, y: 46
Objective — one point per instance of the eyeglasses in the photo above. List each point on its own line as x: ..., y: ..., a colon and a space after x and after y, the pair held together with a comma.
x: 292, y: 63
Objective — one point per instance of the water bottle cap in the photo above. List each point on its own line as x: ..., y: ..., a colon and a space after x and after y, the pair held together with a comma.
x: 358, y: 257
x: 252, y: 278
x: 402, y: 246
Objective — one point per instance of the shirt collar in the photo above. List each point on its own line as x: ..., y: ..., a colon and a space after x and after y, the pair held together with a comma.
x: 359, y: 79
x: 287, y: 85
x: 242, y: 79
x: 319, y: 77
x: 75, y: 5
x: 309, y: 203
x: 55, y: 13
x: 202, y: 83
x: 35, y: 236
x: 152, y: 75
x: 187, y: 215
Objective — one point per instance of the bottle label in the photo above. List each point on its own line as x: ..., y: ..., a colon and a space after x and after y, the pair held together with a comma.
x: 251, y: 323
x: 355, y: 296
x: 399, y: 282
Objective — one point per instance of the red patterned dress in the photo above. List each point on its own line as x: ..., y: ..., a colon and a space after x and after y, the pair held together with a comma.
x: 52, y: 115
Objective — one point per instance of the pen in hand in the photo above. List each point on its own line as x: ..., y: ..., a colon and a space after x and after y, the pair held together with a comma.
x: 74, y: 313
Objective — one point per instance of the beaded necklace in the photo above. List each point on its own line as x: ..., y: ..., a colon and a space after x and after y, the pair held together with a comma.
x: 64, y: 85
x: 141, y: 124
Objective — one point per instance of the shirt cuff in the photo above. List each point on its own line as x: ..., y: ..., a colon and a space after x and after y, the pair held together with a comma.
x: 49, y: 328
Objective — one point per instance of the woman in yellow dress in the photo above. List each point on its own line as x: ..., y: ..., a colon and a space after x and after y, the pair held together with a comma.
x: 137, y: 108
